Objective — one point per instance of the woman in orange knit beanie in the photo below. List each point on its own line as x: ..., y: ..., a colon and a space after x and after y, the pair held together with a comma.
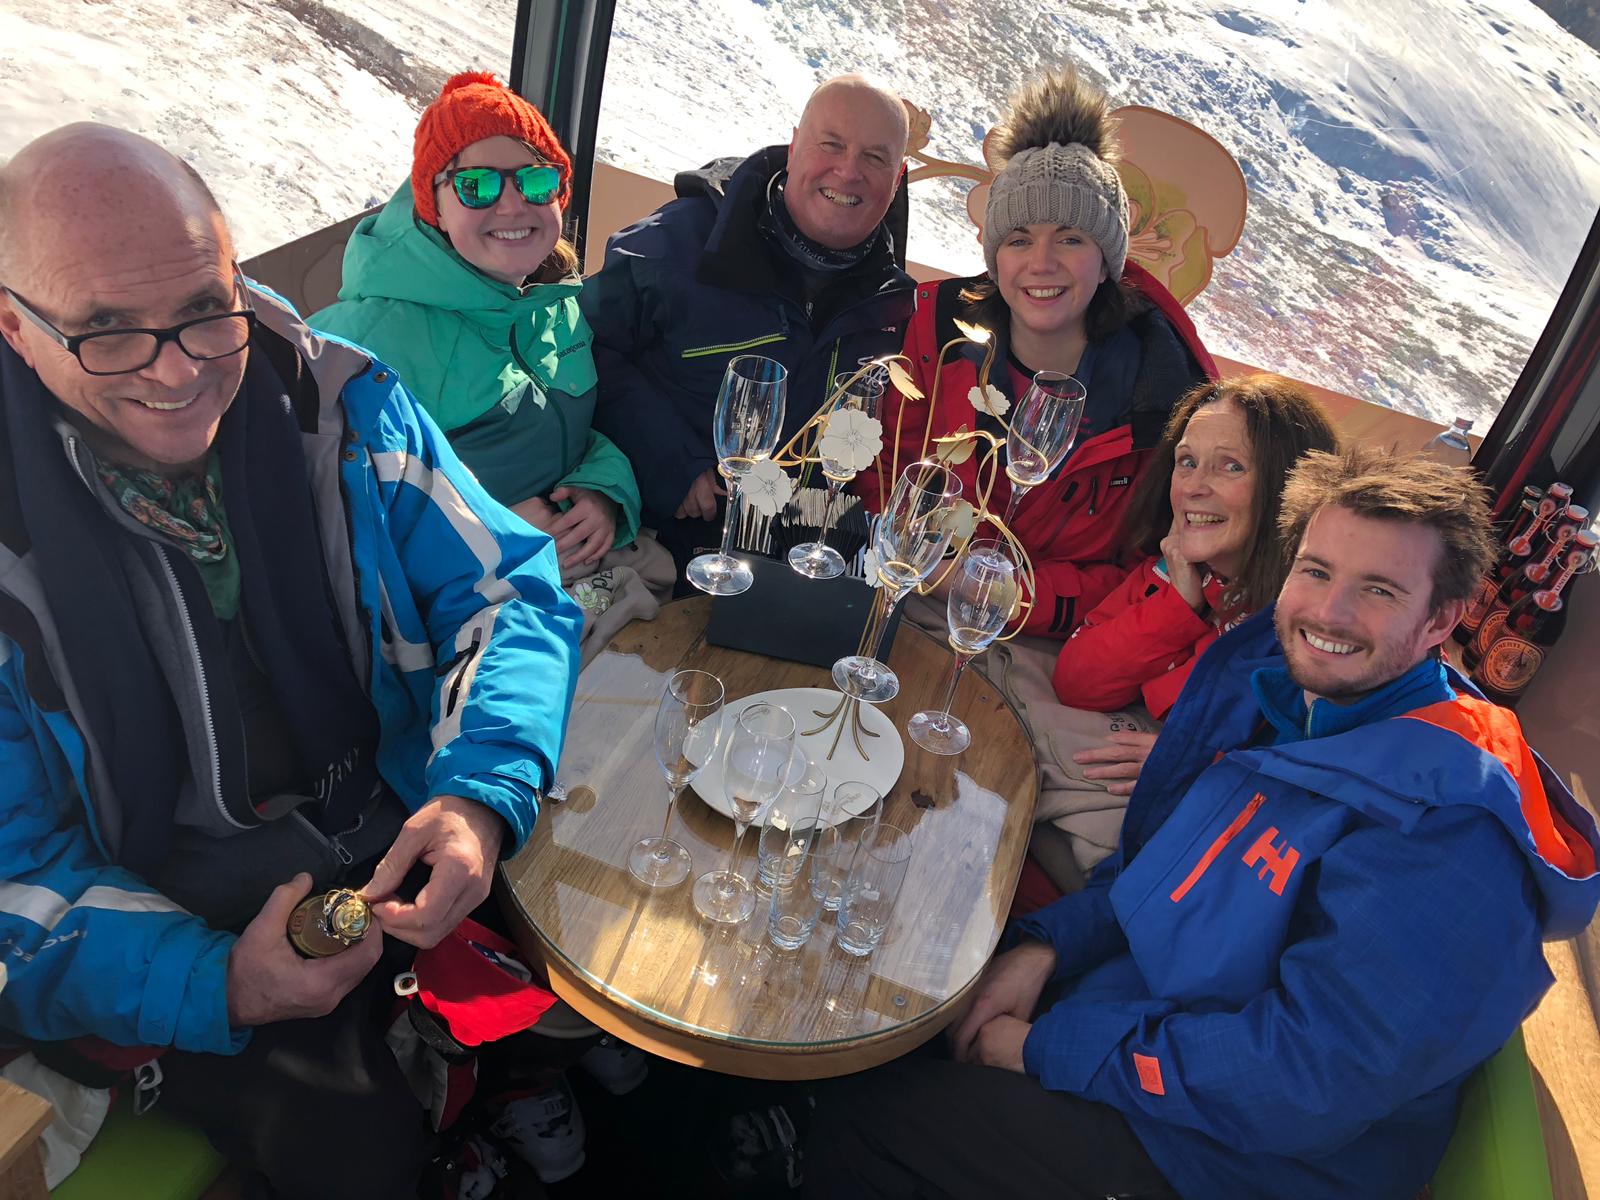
x: 465, y: 285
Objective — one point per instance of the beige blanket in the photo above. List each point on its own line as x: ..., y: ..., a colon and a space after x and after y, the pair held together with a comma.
x: 630, y: 583
x: 1077, y: 821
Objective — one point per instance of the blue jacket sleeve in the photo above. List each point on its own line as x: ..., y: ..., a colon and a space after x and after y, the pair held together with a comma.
x: 1423, y: 960
x: 86, y: 948
x: 621, y: 305
x: 504, y: 634
x: 1081, y: 926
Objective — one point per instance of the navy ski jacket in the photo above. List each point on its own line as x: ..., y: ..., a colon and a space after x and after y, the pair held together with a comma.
x: 696, y: 283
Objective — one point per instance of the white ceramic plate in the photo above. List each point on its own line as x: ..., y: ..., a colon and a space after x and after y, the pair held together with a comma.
x: 888, y: 752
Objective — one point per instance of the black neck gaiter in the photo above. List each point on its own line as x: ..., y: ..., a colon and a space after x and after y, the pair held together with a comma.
x: 777, y: 224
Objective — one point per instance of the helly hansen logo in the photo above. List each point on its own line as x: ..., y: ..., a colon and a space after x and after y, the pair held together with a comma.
x: 1278, y: 863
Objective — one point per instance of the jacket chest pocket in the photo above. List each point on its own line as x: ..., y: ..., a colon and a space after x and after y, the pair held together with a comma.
x: 1223, y: 889
x: 698, y: 368
x: 1088, y: 510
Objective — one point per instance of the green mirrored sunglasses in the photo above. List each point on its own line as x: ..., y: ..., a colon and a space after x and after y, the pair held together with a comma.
x: 479, y: 187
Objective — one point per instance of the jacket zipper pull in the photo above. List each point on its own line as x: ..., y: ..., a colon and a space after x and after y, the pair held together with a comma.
x: 1094, y: 494
x: 337, y: 840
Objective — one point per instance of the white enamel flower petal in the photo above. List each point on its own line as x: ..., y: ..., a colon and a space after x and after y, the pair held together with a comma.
x: 869, y: 567
x: 766, y: 488
x: 851, y: 437
x: 990, y: 400
x: 955, y: 449
x: 963, y: 519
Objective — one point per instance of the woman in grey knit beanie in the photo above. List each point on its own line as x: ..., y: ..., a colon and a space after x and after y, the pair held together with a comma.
x: 1055, y: 231
x: 1058, y: 296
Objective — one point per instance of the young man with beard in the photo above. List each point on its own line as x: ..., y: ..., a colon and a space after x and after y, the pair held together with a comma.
x: 1326, y: 911
x: 794, y: 253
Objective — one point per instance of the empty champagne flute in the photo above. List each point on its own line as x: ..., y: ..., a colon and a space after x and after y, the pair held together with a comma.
x: 1042, y: 430
x: 688, y: 732
x: 983, y: 595
x: 909, y: 538
x: 818, y: 560
x: 870, y: 892
x: 745, y: 429
x: 757, y: 763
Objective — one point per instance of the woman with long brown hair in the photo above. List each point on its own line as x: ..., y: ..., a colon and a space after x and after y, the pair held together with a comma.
x: 1205, y: 518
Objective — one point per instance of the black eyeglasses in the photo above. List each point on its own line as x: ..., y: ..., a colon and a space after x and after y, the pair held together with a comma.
x: 123, y: 351
x: 480, y: 187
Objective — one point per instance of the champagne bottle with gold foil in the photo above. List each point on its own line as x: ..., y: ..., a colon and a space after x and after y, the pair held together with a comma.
x: 1532, y: 628
x: 329, y: 923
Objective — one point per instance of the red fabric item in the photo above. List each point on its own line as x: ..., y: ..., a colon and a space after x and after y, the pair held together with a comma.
x: 112, y: 1056
x: 479, y: 1000
x: 1139, y: 643
x: 473, y: 106
x: 1149, y: 1071
x: 1069, y: 526
x: 1034, y: 890
x: 461, y: 1084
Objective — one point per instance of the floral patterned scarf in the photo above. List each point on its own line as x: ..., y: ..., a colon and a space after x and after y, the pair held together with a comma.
x: 187, y: 510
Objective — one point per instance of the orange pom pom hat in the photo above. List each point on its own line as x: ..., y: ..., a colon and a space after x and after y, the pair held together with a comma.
x: 471, y: 107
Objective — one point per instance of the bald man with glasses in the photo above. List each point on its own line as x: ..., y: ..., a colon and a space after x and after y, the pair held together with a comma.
x: 256, y: 628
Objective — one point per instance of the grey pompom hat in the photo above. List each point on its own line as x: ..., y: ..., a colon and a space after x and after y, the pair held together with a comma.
x: 1067, y: 185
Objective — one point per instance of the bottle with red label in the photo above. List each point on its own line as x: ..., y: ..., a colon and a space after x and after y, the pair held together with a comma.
x: 1532, y: 515
x: 1531, y: 578
x: 1532, y: 627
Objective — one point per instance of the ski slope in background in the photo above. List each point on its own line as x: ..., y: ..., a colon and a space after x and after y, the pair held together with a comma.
x: 1422, y: 173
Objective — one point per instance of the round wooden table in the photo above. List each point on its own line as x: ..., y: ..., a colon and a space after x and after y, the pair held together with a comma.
x: 643, y: 965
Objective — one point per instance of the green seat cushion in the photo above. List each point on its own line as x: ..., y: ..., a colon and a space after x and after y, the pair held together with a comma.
x: 1497, y: 1152
x: 153, y: 1157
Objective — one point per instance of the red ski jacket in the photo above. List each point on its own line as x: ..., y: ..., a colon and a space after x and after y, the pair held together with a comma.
x: 1069, y: 525
x: 1140, y: 642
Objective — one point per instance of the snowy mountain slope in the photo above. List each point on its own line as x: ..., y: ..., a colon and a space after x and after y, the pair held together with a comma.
x: 288, y: 131
x: 1422, y: 172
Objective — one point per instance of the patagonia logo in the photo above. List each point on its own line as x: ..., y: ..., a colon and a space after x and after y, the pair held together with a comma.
x: 1121, y: 481
x: 1279, y: 863
x: 572, y: 349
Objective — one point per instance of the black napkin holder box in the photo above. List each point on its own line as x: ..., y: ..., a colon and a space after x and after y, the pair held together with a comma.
x: 787, y: 615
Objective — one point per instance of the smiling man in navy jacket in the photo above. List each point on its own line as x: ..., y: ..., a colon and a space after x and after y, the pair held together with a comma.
x: 794, y: 253
x: 1326, y: 911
